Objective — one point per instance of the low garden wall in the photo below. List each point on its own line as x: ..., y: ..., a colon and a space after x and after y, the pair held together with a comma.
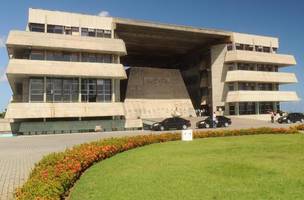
x: 56, y: 173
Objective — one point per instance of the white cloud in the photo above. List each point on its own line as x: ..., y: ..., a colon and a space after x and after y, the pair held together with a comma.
x: 104, y: 13
x: 2, y: 41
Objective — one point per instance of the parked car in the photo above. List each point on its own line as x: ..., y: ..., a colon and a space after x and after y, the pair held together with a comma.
x: 171, y: 123
x: 221, y: 121
x: 291, y: 118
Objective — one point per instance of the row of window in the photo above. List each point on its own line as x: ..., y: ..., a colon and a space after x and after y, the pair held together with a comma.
x: 67, y: 90
x: 70, y: 30
x: 70, y: 56
x: 247, y: 47
x: 253, y: 86
x: 249, y: 108
x: 253, y: 67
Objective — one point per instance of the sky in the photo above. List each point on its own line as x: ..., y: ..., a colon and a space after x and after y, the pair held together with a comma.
x: 278, y: 18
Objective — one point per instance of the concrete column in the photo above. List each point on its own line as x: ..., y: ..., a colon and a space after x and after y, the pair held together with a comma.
x: 79, y: 89
x: 257, y: 108
x: 44, y: 89
x: 29, y: 90
x: 113, y: 90
x: 237, y: 110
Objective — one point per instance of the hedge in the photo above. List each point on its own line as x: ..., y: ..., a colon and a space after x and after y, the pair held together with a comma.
x: 55, y: 174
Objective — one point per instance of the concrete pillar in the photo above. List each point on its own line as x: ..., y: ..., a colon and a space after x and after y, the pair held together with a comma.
x: 79, y: 89
x: 257, y: 108
x: 237, y: 109
x: 113, y: 90
x: 44, y: 89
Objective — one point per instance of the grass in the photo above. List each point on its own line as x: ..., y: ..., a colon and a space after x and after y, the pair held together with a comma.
x: 246, y: 167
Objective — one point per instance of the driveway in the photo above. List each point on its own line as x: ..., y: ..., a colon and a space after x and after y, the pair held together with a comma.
x: 19, y: 154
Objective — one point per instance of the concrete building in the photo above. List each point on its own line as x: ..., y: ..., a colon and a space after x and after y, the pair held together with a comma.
x: 74, y: 72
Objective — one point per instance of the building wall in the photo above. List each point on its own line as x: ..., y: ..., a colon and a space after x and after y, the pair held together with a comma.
x: 218, y: 75
x: 156, y: 93
x: 69, y: 19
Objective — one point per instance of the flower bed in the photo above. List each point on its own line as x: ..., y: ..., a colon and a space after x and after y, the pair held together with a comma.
x: 56, y: 173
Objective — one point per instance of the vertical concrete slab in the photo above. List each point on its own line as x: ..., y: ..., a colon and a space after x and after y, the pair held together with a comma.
x: 218, y: 75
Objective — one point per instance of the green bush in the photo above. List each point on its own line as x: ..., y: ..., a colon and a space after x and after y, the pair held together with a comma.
x: 56, y: 173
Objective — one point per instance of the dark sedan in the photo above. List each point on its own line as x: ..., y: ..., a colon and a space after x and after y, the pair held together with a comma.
x: 292, y: 118
x: 171, y: 123
x: 221, y: 121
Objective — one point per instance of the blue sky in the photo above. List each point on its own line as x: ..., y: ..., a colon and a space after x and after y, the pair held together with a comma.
x: 283, y: 19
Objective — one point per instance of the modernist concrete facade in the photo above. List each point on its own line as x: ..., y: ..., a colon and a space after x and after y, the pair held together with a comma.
x: 74, y: 67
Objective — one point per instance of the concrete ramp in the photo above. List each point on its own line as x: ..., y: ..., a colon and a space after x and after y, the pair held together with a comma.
x: 156, y: 93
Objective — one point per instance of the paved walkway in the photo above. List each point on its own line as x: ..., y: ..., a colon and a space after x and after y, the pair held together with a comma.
x: 19, y: 154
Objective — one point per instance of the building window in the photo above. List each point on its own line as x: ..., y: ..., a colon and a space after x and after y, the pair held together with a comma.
x: 259, y: 48
x: 246, y: 86
x: 265, y: 107
x: 266, y: 49
x: 55, y: 29
x: 274, y: 50
x: 248, y: 47
x: 75, y: 30
x: 107, y: 33
x: 247, y: 108
x: 74, y: 57
x: 266, y: 68
x: 96, y: 90
x: 230, y: 67
x: 239, y: 46
x: 68, y: 30
x: 84, y: 31
x: 246, y: 66
x: 231, y: 86
x: 36, y: 89
x: 37, y: 55
x: 91, y: 32
x: 100, y: 33
x: 34, y: 27
x: 231, y: 109
x: 62, y: 90
x: 265, y: 86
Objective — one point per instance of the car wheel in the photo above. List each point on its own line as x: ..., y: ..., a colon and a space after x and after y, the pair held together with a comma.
x: 207, y: 126
x: 226, y: 124
x: 162, y: 128
x: 288, y: 121
x: 184, y: 127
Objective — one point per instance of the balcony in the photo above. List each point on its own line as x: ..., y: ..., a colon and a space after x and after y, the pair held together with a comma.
x: 258, y: 76
x: 261, y: 96
x: 59, y: 110
x: 65, y: 42
x: 259, y: 57
x: 23, y: 67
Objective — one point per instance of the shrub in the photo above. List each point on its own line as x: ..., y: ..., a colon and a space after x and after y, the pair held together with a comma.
x: 300, y: 127
x: 56, y: 173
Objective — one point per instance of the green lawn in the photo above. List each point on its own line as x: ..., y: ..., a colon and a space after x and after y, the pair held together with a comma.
x: 247, y: 167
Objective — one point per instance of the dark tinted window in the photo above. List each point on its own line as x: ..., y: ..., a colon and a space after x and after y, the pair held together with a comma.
x: 55, y: 29
x: 36, y: 27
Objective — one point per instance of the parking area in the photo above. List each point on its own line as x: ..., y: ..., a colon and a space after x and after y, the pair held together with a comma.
x: 19, y: 154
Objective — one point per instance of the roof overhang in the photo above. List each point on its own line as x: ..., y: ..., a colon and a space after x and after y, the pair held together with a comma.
x: 152, y: 39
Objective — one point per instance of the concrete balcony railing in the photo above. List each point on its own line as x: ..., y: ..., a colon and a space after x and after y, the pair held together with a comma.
x: 259, y: 57
x: 65, y: 42
x: 261, y: 96
x: 258, y: 76
x: 22, y: 67
x: 59, y: 110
